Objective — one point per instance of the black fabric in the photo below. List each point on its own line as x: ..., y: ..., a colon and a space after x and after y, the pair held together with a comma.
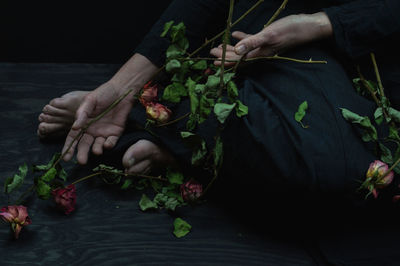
x: 268, y: 146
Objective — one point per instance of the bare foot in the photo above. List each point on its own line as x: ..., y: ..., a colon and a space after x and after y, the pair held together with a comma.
x: 144, y: 156
x: 57, y: 117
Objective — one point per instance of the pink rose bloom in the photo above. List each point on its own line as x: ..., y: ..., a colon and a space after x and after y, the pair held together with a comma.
x: 191, y: 190
x: 17, y: 216
x: 149, y: 94
x: 376, y: 171
x: 375, y: 177
x: 65, y: 198
x: 158, y: 112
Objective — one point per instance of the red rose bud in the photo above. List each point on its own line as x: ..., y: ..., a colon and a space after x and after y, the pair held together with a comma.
x: 149, y: 94
x: 191, y: 191
x: 17, y: 216
x: 158, y: 112
x: 65, y: 198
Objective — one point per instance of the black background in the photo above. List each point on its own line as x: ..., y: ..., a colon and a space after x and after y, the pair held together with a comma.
x: 65, y: 31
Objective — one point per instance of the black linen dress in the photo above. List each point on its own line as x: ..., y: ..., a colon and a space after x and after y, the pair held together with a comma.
x: 268, y: 148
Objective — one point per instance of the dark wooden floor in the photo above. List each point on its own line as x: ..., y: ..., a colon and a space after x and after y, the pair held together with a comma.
x: 108, y: 227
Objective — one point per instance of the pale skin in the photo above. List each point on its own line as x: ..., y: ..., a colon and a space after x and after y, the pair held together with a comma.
x: 72, y: 111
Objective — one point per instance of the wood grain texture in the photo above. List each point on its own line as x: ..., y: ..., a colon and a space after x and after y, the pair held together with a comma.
x: 108, y: 228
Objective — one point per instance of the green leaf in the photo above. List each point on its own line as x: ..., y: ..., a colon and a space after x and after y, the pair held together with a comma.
x: 146, y: 204
x: 49, y: 175
x: 45, y: 167
x: 167, y: 26
x: 386, y: 154
x: 197, y: 144
x: 127, y: 183
x: 177, y: 32
x: 212, y: 82
x: 171, y: 204
x: 160, y: 199
x: 174, y: 51
x: 205, y: 107
x: 241, y: 109
x: 181, y: 227
x: 222, y: 111
x: 194, y: 99
x: 173, y: 65
x: 369, y: 133
x: 228, y: 77
x: 43, y: 190
x: 394, y: 114
x: 200, y: 65
x: 378, y: 115
x: 62, y: 174
x: 12, y: 183
x: 174, y: 92
x: 393, y: 133
x: 174, y: 177
x: 218, y: 152
x: 301, y: 112
x: 233, y: 92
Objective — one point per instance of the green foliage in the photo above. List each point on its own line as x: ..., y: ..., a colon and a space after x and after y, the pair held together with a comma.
x: 241, y: 109
x: 197, y: 144
x: 223, y: 110
x: 174, y: 92
x: 174, y: 177
x: 43, y: 190
x: 369, y: 133
x: 146, y: 204
x: 167, y: 27
x: 13, y: 183
x: 301, y: 112
x: 181, y: 227
x: 49, y: 175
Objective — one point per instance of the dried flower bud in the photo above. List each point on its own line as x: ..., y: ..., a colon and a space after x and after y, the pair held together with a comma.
x: 376, y: 172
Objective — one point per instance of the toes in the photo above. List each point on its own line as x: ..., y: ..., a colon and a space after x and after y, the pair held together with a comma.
x: 142, y: 167
x: 54, y: 119
x: 48, y: 128
x: 52, y: 110
x: 138, y: 152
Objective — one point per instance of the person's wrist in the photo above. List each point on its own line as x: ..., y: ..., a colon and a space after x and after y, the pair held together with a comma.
x: 321, y: 24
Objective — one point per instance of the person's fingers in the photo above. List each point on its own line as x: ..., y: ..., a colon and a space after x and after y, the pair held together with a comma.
x: 110, y: 142
x: 97, y: 147
x: 228, y: 47
x: 137, y: 152
x: 240, y: 35
x: 229, y: 55
x: 84, y: 111
x: 83, y: 148
x: 142, y: 167
x: 70, y: 138
x: 250, y: 43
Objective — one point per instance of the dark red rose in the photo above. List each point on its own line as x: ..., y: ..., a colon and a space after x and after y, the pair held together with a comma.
x: 191, y: 190
x: 65, y: 198
x: 17, y: 216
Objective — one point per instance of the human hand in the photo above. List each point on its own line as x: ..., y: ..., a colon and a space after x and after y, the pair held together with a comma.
x: 105, y: 132
x: 281, y: 35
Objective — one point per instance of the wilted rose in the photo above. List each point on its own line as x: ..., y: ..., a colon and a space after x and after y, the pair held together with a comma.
x: 65, y: 198
x: 17, y: 216
x: 158, y: 112
x: 149, y: 94
x: 376, y: 178
x: 191, y: 190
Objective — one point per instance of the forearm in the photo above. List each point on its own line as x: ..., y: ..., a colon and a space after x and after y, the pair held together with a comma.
x: 133, y: 74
